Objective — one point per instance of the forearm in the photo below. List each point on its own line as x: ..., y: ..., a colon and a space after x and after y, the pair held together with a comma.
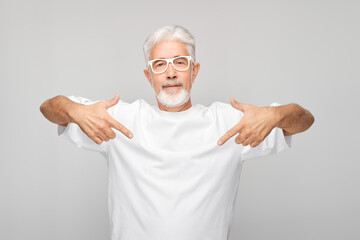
x: 59, y: 110
x: 292, y: 118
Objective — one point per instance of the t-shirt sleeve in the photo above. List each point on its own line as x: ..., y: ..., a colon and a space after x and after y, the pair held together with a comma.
x: 74, y: 134
x: 275, y: 142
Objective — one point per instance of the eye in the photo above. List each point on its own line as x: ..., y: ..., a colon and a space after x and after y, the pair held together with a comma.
x: 159, y: 63
x: 179, y: 62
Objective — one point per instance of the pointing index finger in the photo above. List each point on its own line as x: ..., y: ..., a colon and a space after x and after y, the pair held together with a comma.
x: 118, y: 126
x: 228, y: 135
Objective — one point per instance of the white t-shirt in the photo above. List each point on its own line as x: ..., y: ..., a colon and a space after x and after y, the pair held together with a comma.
x: 172, y: 180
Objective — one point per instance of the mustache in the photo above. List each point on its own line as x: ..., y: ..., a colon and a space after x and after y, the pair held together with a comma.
x: 172, y: 83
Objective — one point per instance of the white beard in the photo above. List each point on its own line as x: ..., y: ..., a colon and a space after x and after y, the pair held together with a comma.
x: 173, y: 98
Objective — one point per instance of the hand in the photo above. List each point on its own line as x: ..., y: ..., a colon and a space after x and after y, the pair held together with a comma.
x: 254, y: 126
x: 96, y: 123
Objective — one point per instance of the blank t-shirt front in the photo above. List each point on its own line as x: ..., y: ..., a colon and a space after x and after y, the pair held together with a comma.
x: 172, y: 180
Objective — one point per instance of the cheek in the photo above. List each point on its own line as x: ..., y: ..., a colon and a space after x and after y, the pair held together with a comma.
x: 186, y: 80
x: 188, y: 85
x: 158, y: 85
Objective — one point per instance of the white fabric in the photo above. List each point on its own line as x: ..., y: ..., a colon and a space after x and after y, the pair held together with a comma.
x: 172, y: 180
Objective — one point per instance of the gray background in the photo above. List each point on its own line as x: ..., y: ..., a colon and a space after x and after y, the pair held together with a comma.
x: 259, y: 52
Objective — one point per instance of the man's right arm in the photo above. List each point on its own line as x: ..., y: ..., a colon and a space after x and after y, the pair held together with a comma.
x: 93, y: 119
x: 59, y: 110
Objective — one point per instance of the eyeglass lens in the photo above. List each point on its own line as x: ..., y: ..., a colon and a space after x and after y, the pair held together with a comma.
x: 180, y: 63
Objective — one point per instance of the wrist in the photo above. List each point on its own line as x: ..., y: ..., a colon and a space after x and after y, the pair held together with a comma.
x: 73, y: 110
x: 277, y: 115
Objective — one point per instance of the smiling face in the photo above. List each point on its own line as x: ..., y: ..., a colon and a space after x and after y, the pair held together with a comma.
x: 172, y: 98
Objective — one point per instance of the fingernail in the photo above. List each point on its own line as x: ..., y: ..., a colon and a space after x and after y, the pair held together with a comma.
x: 130, y: 135
x: 219, y: 142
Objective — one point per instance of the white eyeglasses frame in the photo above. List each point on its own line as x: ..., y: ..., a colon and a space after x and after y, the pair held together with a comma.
x: 170, y: 60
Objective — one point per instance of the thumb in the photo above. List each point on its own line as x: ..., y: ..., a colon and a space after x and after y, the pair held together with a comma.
x: 113, y: 101
x: 237, y: 105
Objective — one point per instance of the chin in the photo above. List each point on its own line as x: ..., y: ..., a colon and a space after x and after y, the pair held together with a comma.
x: 175, y: 99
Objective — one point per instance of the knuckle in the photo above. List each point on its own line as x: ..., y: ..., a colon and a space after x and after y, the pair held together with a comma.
x: 113, y: 135
x: 103, y: 126
x: 230, y: 133
x: 246, y: 133
x: 92, y: 136
x: 100, y: 127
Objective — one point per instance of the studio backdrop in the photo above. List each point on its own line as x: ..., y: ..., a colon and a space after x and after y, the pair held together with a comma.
x: 259, y: 52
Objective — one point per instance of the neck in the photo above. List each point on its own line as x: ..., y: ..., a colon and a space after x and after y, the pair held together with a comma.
x: 175, y: 109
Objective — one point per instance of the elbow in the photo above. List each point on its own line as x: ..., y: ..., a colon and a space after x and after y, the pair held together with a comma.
x: 44, y: 106
x: 307, y: 118
x: 310, y: 119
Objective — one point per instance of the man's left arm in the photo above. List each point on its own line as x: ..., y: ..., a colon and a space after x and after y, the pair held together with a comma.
x: 292, y: 118
x: 257, y: 122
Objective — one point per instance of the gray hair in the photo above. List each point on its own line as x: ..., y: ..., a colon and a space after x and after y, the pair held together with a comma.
x: 170, y: 33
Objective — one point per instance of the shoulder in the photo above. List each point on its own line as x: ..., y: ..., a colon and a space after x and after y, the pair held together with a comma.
x: 275, y: 104
x: 129, y: 107
x: 82, y: 100
x: 226, y: 115
x: 227, y: 106
x: 123, y: 104
x: 224, y: 108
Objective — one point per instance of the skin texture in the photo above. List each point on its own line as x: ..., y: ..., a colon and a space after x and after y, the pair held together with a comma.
x: 257, y: 122
x: 94, y: 120
x: 252, y: 129
x: 170, y: 49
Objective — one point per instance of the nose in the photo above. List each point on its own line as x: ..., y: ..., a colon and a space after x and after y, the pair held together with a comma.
x: 171, y: 72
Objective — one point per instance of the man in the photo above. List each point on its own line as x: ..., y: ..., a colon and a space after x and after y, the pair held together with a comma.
x: 173, y: 174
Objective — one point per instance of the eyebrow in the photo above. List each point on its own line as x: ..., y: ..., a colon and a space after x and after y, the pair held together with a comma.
x: 172, y: 57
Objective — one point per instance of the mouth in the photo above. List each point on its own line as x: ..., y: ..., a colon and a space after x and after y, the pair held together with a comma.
x: 172, y: 86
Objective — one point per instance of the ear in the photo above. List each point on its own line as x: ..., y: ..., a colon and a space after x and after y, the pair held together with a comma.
x: 196, y: 69
x: 147, y: 75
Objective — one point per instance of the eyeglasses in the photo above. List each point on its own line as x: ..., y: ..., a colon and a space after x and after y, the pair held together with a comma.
x: 180, y: 63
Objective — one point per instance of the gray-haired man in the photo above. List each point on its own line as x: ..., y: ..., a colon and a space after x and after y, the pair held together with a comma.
x: 174, y: 176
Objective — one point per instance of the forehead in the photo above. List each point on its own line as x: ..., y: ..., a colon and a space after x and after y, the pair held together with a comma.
x: 168, y: 49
